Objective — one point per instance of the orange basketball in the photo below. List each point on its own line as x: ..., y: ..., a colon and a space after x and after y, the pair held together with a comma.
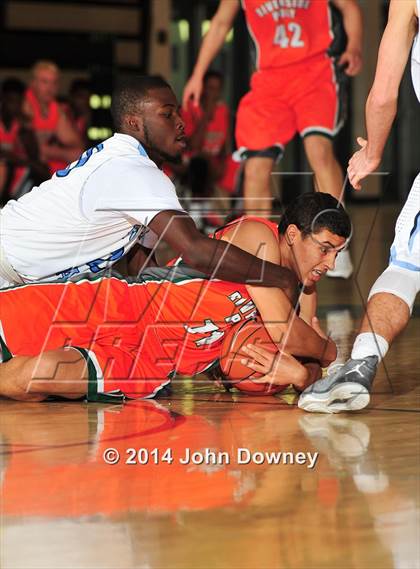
x: 236, y: 373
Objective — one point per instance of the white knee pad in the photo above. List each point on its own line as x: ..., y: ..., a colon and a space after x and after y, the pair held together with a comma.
x: 400, y: 282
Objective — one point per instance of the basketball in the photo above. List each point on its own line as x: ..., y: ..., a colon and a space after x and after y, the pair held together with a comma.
x: 236, y: 373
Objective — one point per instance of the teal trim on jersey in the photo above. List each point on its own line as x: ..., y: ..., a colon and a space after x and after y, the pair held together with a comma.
x: 6, y: 354
x: 176, y: 274
x: 116, y: 397
x: 92, y: 395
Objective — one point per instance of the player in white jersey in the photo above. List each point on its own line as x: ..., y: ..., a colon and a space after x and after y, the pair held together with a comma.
x: 392, y: 296
x: 72, y: 226
x: 90, y: 214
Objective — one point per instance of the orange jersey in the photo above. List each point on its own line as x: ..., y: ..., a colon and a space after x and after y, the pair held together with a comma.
x: 9, y: 138
x: 134, y: 335
x: 45, y: 127
x: 288, y: 31
x: 273, y: 227
x: 191, y: 316
x: 10, y: 142
x: 216, y: 131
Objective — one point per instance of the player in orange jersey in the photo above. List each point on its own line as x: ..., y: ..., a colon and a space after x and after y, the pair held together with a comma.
x: 19, y: 153
x: 59, y: 141
x: 297, y: 88
x: 130, y: 337
x: 210, y: 168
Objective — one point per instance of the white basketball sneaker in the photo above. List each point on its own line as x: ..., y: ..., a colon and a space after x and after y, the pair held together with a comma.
x: 343, y: 266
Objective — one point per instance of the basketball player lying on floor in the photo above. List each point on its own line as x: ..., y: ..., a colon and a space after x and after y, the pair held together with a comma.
x: 116, y: 338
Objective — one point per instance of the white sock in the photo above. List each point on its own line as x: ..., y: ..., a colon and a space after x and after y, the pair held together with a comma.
x: 369, y: 344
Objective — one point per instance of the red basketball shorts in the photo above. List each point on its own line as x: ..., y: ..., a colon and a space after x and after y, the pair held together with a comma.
x: 306, y: 98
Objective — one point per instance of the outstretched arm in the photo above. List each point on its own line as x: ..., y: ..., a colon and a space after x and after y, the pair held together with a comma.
x: 219, y: 27
x: 218, y: 259
x: 381, y: 106
x: 353, y: 25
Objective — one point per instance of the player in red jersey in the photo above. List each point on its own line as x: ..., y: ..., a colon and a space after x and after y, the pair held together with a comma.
x: 121, y: 337
x: 59, y: 141
x: 211, y: 170
x: 12, y: 91
x: 295, y: 89
x: 20, y: 166
x: 207, y: 126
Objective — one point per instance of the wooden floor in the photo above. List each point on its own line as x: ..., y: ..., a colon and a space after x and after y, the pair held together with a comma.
x: 344, y: 492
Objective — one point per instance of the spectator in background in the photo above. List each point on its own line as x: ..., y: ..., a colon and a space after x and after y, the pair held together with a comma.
x: 207, y: 127
x: 20, y: 167
x: 78, y: 109
x: 58, y: 140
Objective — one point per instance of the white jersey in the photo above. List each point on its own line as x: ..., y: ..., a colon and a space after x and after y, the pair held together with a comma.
x: 405, y: 249
x: 87, y: 216
x: 415, y: 59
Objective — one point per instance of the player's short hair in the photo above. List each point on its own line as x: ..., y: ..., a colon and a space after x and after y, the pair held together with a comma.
x: 13, y: 85
x: 129, y: 93
x: 213, y: 74
x: 44, y: 64
x: 312, y: 212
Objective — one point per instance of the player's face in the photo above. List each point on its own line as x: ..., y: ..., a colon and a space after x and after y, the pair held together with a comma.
x: 164, y: 136
x: 45, y: 85
x: 212, y: 89
x: 315, y: 254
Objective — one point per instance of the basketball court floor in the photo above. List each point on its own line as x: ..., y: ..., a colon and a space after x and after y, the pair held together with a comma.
x: 208, y: 479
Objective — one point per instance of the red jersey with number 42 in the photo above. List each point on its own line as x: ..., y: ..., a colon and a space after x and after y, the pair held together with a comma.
x: 288, y: 31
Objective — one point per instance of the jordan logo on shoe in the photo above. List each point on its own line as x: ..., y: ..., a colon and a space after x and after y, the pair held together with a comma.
x: 356, y: 369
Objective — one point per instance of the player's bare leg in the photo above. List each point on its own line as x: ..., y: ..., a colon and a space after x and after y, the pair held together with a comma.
x: 348, y: 388
x: 257, y: 186
x: 386, y: 315
x: 57, y: 372
x: 328, y: 173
